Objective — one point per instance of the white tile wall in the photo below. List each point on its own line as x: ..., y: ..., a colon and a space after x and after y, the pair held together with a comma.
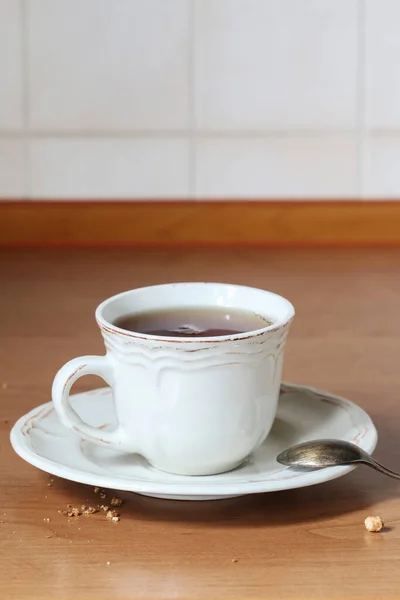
x: 281, y: 167
x: 382, y: 64
x: 195, y: 99
x: 11, y: 112
x: 276, y: 65
x: 12, y: 163
x: 382, y: 167
x: 104, y: 168
x: 96, y: 65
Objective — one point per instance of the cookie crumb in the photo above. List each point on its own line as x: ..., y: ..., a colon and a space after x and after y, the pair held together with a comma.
x: 115, y: 501
x: 47, y: 520
x: 113, y: 515
x: 89, y: 510
x: 96, y: 490
x: 235, y: 560
x: 4, y: 385
x: 104, y: 507
x: 70, y: 512
x: 374, y: 524
x: 108, y: 562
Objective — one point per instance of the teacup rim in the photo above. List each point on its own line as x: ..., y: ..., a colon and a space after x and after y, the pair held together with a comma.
x: 109, y: 327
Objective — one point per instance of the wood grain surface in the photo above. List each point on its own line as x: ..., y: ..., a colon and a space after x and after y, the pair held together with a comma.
x: 166, y: 223
x: 308, y: 543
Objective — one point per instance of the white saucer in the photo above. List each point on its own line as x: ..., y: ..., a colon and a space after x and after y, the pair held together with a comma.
x: 303, y: 414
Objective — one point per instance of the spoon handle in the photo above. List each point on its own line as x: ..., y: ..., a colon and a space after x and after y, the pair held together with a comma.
x: 378, y: 467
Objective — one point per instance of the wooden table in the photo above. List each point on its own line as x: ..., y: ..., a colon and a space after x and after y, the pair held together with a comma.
x: 308, y: 543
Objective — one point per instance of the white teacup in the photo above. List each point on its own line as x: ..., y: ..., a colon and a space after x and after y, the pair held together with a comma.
x: 191, y: 406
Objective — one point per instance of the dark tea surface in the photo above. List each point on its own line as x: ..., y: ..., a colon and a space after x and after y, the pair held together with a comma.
x: 193, y: 322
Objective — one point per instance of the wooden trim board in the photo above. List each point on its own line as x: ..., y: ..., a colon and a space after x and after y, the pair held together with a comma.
x: 164, y: 223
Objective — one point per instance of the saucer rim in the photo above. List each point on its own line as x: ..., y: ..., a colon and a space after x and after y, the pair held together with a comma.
x: 215, y: 489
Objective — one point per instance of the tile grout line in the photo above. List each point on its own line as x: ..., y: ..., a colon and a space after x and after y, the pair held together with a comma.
x: 192, y: 100
x: 187, y: 134
x: 360, y: 96
x: 25, y: 95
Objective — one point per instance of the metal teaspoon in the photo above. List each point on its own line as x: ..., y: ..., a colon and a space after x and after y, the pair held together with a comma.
x: 319, y: 454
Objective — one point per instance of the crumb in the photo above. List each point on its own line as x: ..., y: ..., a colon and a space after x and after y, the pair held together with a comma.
x: 234, y: 560
x: 108, y: 562
x: 70, y: 512
x: 47, y: 520
x: 374, y: 524
x: 48, y: 536
x: 96, y: 490
x: 89, y: 510
x: 49, y: 484
x: 1, y: 521
x: 105, y: 507
x: 116, y: 518
x: 111, y: 514
x: 103, y: 495
x: 116, y: 501
x: 4, y: 385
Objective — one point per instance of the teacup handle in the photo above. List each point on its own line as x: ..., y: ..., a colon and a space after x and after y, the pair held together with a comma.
x: 63, y: 381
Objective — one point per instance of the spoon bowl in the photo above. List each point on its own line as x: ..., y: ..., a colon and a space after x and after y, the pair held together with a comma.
x: 319, y: 454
